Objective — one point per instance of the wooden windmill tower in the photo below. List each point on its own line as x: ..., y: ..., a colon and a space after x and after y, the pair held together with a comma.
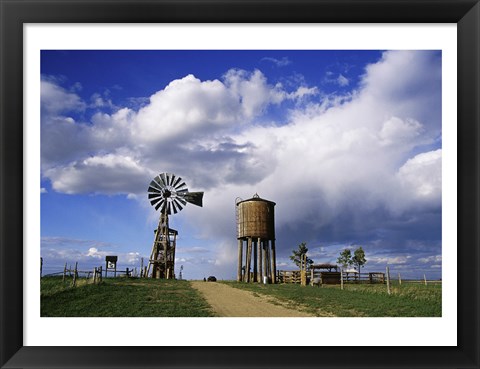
x: 168, y: 193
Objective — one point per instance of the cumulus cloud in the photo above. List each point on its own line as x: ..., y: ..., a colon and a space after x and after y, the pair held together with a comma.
x: 57, y: 100
x: 111, y: 174
x: 421, y: 176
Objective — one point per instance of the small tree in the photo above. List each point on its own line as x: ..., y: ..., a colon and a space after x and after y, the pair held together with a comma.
x: 345, y: 258
x: 297, y: 255
x: 358, y: 259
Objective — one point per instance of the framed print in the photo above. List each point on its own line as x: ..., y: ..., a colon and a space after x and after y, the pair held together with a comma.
x: 390, y: 182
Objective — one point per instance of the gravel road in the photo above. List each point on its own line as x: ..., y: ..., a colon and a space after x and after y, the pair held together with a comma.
x: 228, y: 301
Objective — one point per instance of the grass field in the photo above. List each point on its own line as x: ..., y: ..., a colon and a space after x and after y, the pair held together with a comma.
x: 121, y: 297
x: 356, y: 300
x: 133, y: 297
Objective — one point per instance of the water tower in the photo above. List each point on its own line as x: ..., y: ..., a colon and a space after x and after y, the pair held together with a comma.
x: 256, y: 235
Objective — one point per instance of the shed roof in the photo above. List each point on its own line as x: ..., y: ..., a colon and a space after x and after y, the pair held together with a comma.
x: 324, y: 266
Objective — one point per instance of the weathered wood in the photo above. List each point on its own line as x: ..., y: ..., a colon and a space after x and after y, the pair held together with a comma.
x: 265, y: 268
x: 425, y: 279
x: 274, y: 262
x: 399, y: 279
x: 64, y: 272
x: 240, y: 256
x: 267, y: 263
x: 341, y: 278
x: 75, y: 274
x: 255, y: 266
x: 260, y: 261
x: 249, y: 256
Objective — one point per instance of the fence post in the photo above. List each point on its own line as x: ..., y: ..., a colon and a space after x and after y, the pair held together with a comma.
x: 74, y: 282
x: 64, y: 271
x: 399, y: 279
x: 341, y: 278
x: 425, y: 279
x: 41, y: 266
x: 388, y: 280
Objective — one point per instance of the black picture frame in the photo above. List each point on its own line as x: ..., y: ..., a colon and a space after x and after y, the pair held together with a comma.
x: 15, y: 13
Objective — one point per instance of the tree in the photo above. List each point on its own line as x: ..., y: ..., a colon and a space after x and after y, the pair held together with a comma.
x: 358, y: 259
x: 296, y: 256
x: 345, y: 258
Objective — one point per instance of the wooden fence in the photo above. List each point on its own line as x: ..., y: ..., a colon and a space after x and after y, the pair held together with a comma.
x: 322, y: 277
x: 96, y: 275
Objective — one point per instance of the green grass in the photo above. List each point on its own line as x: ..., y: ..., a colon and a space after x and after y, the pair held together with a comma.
x: 121, y: 297
x: 368, y: 300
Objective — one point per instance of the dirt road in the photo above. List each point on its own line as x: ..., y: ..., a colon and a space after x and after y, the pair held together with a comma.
x: 232, y: 302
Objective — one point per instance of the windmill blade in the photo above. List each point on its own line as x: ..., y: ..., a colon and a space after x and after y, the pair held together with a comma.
x: 173, y: 207
x: 172, y: 179
x: 159, y: 181
x: 176, y: 182
x: 178, y: 198
x: 154, y: 196
x: 194, y: 198
x: 154, y: 186
x: 161, y: 203
x: 177, y: 202
x: 164, y: 180
x: 152, y: 189
x: 154, y: 201
x: 180, y: 186
x: 169, y: 178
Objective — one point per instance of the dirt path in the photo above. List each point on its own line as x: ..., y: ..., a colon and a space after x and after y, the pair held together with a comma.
x: 232, y: 302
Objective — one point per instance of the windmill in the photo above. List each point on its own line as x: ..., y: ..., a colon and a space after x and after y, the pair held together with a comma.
x: 168, y: 193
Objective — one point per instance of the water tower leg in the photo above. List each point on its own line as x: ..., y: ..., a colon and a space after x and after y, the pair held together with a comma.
x: 274, y: 263
x: 267, y: 260
x: 259, y: 256
x: 240, y: 252
x: 244, y: 266
x: 265, y: 255
x: 254, y: 246
x: 249, y: 257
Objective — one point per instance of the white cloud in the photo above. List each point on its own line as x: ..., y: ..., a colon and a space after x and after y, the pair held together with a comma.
x: 94, y: 253
x: 390, y: 260
x: 342, y: 81
x: 431, y: 259
x: 278, y: 62
x: 421, y: 176
x: 109, y: 173
x: 57, y: 100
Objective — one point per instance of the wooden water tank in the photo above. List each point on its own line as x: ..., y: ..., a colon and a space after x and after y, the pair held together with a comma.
x: 255, y: 218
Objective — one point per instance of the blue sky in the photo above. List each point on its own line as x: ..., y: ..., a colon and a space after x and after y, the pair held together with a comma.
x: 347, y: 143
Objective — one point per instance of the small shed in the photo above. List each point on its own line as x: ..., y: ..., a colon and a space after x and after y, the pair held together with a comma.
x: 325, y: 273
